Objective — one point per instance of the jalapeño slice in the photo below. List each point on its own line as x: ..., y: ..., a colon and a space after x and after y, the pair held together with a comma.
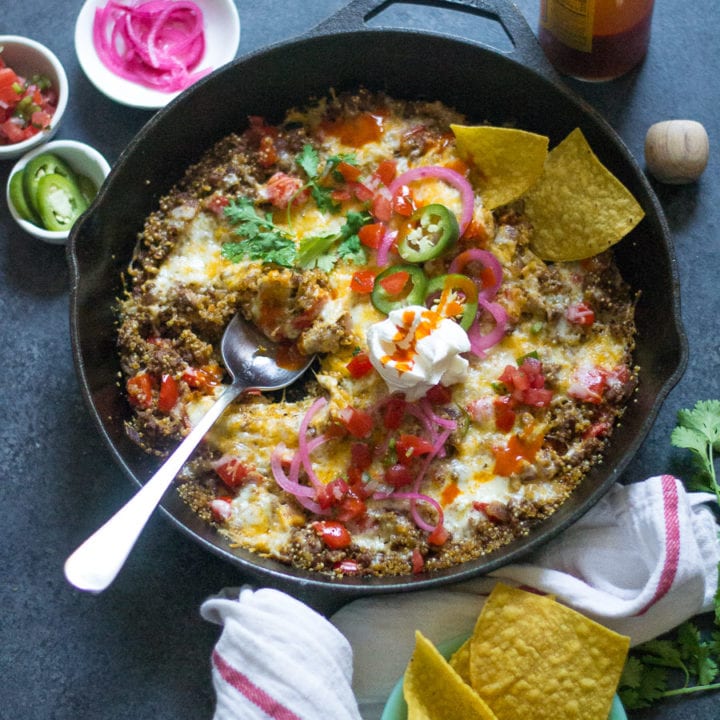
x: 428, y: 233
x: 37, y: 168
x: 398, y: 286
x: 454, y: 296
x: 17, y: 198
x: 59, y: 202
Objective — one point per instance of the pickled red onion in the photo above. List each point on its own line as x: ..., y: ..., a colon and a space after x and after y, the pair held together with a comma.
x: 156, y: 44
x: 480, y: 343
x: 385, y: 245
x: 451, y: 177
x: 488, y: 260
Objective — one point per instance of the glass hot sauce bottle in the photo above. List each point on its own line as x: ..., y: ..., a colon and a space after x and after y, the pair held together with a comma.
x: 595, y: 39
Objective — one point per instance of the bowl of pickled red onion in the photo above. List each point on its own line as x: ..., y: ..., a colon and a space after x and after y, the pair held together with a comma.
x: 143, y: 53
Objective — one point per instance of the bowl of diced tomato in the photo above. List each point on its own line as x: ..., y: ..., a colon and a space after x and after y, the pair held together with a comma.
x: 33, y: 95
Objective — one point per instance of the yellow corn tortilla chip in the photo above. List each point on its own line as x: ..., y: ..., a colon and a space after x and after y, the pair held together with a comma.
x: 578, y: 208
x: 460, y: 661
x: 434, y: 691
x: 507, y: 161
x: 532, y: 657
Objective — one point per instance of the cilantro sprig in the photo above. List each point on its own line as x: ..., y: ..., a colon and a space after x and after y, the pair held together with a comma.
x: 261, y: 238
x: 309, y: 161
x: 324, y: 251
x: 686, y: 661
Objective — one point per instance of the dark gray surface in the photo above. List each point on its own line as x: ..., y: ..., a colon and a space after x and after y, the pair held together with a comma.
x: 140, y: 650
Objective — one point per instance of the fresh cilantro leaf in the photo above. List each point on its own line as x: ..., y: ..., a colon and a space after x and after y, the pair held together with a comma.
x: 640, y: 685
x: 698, y: 430
x: 351, y: 249
x: 309, y: 161
x: 323, y: 198
x: 323, y: 251
x: 261, y: 238
x: 312, y: 248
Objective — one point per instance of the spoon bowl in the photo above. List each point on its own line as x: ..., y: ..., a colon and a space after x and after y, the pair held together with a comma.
x: 252, y: 361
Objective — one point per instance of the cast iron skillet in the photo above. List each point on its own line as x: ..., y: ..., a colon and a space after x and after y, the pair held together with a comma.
x: 343, y: 53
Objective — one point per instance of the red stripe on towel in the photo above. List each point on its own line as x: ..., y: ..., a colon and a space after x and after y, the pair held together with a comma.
x: 672, y: 540
x: 246, y: 687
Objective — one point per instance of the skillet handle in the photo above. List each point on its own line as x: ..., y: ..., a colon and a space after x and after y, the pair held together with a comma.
x: 526, y: 49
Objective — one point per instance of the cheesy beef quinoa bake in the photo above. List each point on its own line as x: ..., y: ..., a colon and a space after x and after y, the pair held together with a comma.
x: 462, y: 386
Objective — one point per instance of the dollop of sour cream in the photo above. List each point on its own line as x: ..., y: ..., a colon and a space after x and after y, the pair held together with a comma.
x: 415, y: 349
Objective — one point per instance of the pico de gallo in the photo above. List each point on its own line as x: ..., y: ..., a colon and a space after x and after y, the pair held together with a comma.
x: 27, y: 104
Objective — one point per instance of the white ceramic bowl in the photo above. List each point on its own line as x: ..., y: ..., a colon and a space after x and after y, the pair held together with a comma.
x: 222, y: 38
x: 28, y: 57
x: 83, y: 159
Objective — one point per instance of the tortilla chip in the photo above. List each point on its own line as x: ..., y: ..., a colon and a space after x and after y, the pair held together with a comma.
x: 434, y: 691
x: 507, y: 161
x: 578, y: 208
x: 460, y: 661
x: 532, y: 657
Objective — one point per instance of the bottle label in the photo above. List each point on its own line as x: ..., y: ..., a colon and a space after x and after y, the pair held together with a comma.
x: 570, y: 21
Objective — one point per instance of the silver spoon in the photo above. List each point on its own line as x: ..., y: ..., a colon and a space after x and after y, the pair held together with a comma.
x: 250, y: 358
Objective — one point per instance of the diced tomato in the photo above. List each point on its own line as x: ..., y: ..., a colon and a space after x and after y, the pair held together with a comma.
x: 351, y: 508
x: 232, y: 471
x: 362, y: 281
x: 403, y: 202
x: 394, y: 412
x: 347, y: 567
x: 382, y: 207
x: 331, y: 494
x: 394, y: 283
x: 282, y: 188
x: 537, y: 397
x: 495, y: 511
x: 217, y: 203
x: 386, y: 171
x: 417, y: 561
x: 439, y: 395
x: 526, y: 384
x: 362, y: 192
x: 398, y: 475
x: 350, y: 173
x: 267, y: 154
x: 14, y: 132
x: 204, y: 378
x: 139, y: 390
x: 371, y: 235
x: 597, y: 429
x: 357, y: 422
x: 504, y: 414
x: 221, y: 508
x: 341, y: 195
x: 361, y: 455
x: 169, y: 394
x: 588, y: 384
x: 360, y: 365
x: 409, y: 447
x: 580, y: 314
x: 334, y: 534
x: 9, y: 84
x: 439, y: 536
x: 40, y: 119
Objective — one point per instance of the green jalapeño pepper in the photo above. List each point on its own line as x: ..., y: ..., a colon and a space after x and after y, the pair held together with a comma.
x: 454, y: 296
x: 428, y: 233
x: 37, y: 168
x: 17, y: 198
x: 397, y: 287
x: 59, y: 201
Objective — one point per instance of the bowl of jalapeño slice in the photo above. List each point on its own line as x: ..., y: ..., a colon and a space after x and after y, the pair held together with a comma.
x: 50, y: 187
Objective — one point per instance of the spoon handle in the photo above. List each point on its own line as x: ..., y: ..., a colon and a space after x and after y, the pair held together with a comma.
x: 96, y: 563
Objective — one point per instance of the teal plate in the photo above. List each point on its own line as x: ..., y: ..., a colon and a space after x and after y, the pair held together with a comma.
x: 396, y: 707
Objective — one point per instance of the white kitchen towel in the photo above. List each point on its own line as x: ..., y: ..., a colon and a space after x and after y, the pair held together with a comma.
x: 277, y: 658
x: 642, y: 561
